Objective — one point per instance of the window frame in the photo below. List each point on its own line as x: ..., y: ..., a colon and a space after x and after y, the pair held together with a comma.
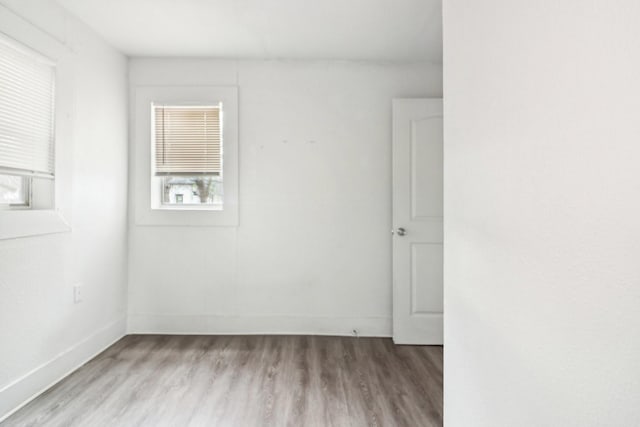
x: 148, y: 209
x: 54, y: 216
x: 159, y: 180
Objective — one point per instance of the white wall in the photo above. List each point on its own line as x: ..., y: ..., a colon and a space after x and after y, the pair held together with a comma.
x: 542, y: 213
x: 42, y: 333
x: 312, y: 253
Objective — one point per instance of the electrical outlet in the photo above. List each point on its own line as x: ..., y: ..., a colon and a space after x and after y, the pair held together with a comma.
x: 77, y: 293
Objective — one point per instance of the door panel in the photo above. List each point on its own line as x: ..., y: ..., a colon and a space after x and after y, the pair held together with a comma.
x: 426, y: 278
x: 426, y: 168
x: 417, y: 221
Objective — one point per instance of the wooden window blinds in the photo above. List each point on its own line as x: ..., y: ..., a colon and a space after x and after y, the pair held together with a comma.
x: 187, y: 140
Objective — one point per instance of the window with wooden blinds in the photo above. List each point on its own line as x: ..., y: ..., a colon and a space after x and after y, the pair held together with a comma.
x: 187, y: 140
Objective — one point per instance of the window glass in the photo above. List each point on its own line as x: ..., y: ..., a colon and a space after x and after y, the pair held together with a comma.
x: 14, y: 191
x: 192, y: 190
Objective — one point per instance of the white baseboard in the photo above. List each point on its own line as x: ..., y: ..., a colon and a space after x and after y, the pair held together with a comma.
x: 258, y: 325
x: 21, y: 391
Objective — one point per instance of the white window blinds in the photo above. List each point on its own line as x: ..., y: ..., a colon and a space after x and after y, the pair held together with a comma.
x: 187, y: 140
x: 27, y: 83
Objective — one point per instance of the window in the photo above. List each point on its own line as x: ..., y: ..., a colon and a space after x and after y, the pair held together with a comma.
x: 185, y: 155
x: 187, y: 144
x: 27, y: 82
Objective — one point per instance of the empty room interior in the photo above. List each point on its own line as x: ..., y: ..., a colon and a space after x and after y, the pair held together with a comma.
x: 337, y: 213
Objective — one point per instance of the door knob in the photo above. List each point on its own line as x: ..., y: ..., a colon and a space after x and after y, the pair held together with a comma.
x: 401, y: 231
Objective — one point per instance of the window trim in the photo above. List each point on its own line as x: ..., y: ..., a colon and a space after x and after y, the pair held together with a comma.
x: 144, y: 185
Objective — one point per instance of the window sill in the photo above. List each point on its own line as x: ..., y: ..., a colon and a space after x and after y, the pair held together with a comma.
x: 26, y: 223
x: 218, y: 208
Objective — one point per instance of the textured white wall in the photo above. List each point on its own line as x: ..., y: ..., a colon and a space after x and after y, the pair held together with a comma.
x: 42, y: 332
x: 312, y: 253
x: 542, y: 213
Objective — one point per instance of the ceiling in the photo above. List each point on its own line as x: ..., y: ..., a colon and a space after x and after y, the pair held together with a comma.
x: 384, y: 30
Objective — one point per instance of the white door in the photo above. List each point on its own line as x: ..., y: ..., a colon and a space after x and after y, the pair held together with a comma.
x: 417, y: 221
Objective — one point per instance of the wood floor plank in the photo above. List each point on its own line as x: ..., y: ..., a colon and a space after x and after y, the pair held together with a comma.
x: 154, y: 380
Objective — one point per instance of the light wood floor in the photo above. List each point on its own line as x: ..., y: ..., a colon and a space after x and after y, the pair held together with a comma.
x: 147, y: 380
